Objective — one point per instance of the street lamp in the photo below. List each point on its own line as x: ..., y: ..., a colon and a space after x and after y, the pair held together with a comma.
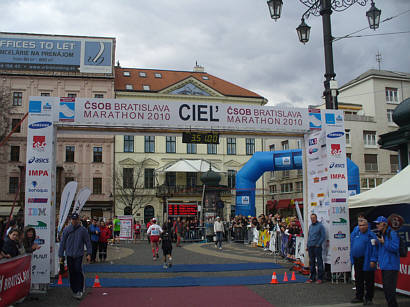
x: 325, y: 9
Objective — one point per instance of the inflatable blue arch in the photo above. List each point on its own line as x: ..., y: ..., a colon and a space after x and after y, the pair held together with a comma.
x: 267, y: 161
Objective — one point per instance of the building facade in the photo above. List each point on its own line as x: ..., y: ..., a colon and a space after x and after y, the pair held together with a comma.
x: 149, y: 170
x: 368, y: 102
x: 55, y: 66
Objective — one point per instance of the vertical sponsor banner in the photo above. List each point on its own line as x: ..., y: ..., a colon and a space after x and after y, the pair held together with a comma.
x: 339, y: 233
x: 40, y: 184
x: 126, y: 227
x: 318, y: 186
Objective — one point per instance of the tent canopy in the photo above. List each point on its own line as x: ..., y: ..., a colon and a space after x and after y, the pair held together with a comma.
x: 394, y: 191
x: 189, y: 166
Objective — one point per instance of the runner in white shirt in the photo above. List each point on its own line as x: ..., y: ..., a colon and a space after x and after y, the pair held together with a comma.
x: 154, y: 231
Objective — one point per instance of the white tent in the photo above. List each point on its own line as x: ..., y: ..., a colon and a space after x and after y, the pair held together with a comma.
x: 394, y: 191
x: 190, y: 166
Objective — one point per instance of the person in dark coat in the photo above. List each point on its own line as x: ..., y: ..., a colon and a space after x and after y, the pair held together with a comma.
x: 28, y: 240
x: 11, y: 244
x: 166, y: 241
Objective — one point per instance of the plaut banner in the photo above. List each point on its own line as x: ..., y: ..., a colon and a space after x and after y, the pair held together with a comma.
x: 403, y: 280
x: 15, y: 279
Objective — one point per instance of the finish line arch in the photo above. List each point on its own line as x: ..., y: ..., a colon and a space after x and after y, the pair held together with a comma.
x: 323, y: 131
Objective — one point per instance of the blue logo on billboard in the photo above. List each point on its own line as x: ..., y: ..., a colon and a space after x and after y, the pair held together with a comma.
x: 337, y: 189
x: 336, y: 165
x: 40, y: 125
x: 67, y: 111
x: 35, y: 189
x: 312, y: 150
x: 312, y: 141
x: 315, y: 119
x: 34, y: 106
x: 339, y: 118
x: 37, y: 160
x: 330, y: 118
x: 336, y: 134
x: 97, y: 53
x: 339, y: 235
x: 47, y: 106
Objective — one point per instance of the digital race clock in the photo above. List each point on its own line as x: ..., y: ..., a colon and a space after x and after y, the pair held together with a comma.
x: 200, y: 138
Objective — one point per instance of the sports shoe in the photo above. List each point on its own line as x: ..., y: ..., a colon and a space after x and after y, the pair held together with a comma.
x: 157, y: 255
x: 356, y: 300
x: 309, y: 281
x: 319, y: 281
x: 78, y: 295
x: 154, y: 258
x: 220, y: 247
x: 164, y: 266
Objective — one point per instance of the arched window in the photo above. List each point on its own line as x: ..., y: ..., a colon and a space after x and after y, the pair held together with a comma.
x: 128, y: 210
x: 148, y: 213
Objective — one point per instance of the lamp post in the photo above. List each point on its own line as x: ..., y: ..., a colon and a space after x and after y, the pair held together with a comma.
x: 325, y: 9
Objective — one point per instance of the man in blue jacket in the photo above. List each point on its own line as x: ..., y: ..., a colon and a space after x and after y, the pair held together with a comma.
x: 388, y: 259
x: 316, y: 237
x: 363, y: 255
x: 72, y: 243
x: 94, y: 231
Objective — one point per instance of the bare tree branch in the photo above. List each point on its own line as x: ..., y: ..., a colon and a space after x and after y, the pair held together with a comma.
x: 5, y: 108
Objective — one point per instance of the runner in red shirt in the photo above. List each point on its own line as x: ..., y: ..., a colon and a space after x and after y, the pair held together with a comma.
x: 137, y: 231
x: 154, y: 231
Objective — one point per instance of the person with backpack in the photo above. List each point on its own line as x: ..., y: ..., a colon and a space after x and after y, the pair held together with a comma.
x: 388, y: 258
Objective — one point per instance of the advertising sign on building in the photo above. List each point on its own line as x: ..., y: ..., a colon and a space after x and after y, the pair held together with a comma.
x: 56, y: 53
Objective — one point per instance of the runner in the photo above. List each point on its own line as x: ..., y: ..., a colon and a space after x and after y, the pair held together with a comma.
x: 137, y: 231
x: 166, y: 241
x: 154, y: 231
x: 117, y: 228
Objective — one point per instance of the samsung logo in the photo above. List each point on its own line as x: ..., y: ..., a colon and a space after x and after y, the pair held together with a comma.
x: 334, y: 135
x: 40, y: 125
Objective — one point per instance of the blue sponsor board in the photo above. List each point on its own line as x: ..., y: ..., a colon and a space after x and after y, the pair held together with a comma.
x: 97, y: 53
x: 67, y: 111
x: 315, y: 119
x: 330, y: 118
x: 336, y: 134
x: 34, y: 106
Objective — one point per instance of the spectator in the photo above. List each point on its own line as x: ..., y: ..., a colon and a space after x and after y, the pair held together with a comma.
x: 72, y: 243
x: 94, y: 231
x: 105, y: 235
x: 28, y: 240
x: 388, y: 259
x: 137, y: 231
x: 12, y: 225
x: 316, y: 237
x: 11, y: 244
x: 179, y: 227
x: 117, y: 227
x: 363, y: 255
x: 219, y: 231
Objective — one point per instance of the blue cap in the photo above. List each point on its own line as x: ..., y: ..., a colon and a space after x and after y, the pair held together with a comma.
x: 74, y: 216
x: 380, y: 219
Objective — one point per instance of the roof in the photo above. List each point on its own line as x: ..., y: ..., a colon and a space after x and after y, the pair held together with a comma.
x: 172, y: 77
x: 378, y: 73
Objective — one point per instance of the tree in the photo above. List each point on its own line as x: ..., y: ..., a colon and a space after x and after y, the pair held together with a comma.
x: 5, y: 108
x: 133, y: 187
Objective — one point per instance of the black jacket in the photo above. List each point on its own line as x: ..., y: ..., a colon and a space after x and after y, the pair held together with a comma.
x: 10, y: 247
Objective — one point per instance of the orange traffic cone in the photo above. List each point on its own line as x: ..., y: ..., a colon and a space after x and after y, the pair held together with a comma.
x: 60, y: 280
x: 96, y: 282
x: 274, y: 279
x: 293, y: 276
x: 285, y: 277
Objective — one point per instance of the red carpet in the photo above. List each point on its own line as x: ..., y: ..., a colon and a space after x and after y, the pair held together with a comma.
x: 179, y: 297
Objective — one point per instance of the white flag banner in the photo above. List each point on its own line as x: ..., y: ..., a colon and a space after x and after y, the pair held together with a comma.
x: 80, y: 200
x: 66, y: 199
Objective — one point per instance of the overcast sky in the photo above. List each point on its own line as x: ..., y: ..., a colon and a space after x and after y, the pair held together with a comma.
x: 235, y: 40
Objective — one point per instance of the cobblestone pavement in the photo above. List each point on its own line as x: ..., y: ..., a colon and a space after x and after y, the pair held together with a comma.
x: 279, y: 295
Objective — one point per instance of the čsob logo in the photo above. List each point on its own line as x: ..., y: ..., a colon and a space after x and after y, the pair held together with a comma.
x: 336, y: 134
x: 40, y: 125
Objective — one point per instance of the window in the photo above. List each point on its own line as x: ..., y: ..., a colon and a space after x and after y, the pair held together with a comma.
x: 191, y: 148
x: 68, y: 179
x: 14, y: 123
x: 205, y: 78
x: 45, y: 94
x: 347, y: 135
x: 394, y: 163
x: 17, y: 98
x: 231, y: 178
x: 299, y: 144
x: 231, y: 146
x: 369, y: 138
x: 158, y: 75
x: 15, y: 153
x: 146, y: 87
x: 97, y: 154
x: 299, y: 186
x: 128, y: 143
x: 126, y: 74
x: 170, y: 144
x: 286, y: 187
x: 72, y: 95
x: 392, y: 95
x: 128, y: 86
x: 13, y: 184
x: 285, y: 145
x: 98, y: 95
x: 285, y: 174
x: 250, y: 146
x: 370, y: 162
x: 273, y: 189
x: 272, y: 147
x: 300, y: 173
x: 127, y: 178
x: 97, y: 185
x: 349, y: 155
x: 390, y: 116
x: 272, y: 174
x: 149, y: 143
x: 142, y: 74
x: 369, y: 183
x: 191, y: 179
x: 212, y: 149
x: 171, y: 179
x: 149, y: 178
x: 69, y: 153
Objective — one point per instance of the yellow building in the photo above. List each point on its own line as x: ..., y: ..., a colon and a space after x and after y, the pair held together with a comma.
x: 149, y: 167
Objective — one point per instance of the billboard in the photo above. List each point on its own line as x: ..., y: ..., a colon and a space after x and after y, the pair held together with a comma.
x: 56, y: 53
